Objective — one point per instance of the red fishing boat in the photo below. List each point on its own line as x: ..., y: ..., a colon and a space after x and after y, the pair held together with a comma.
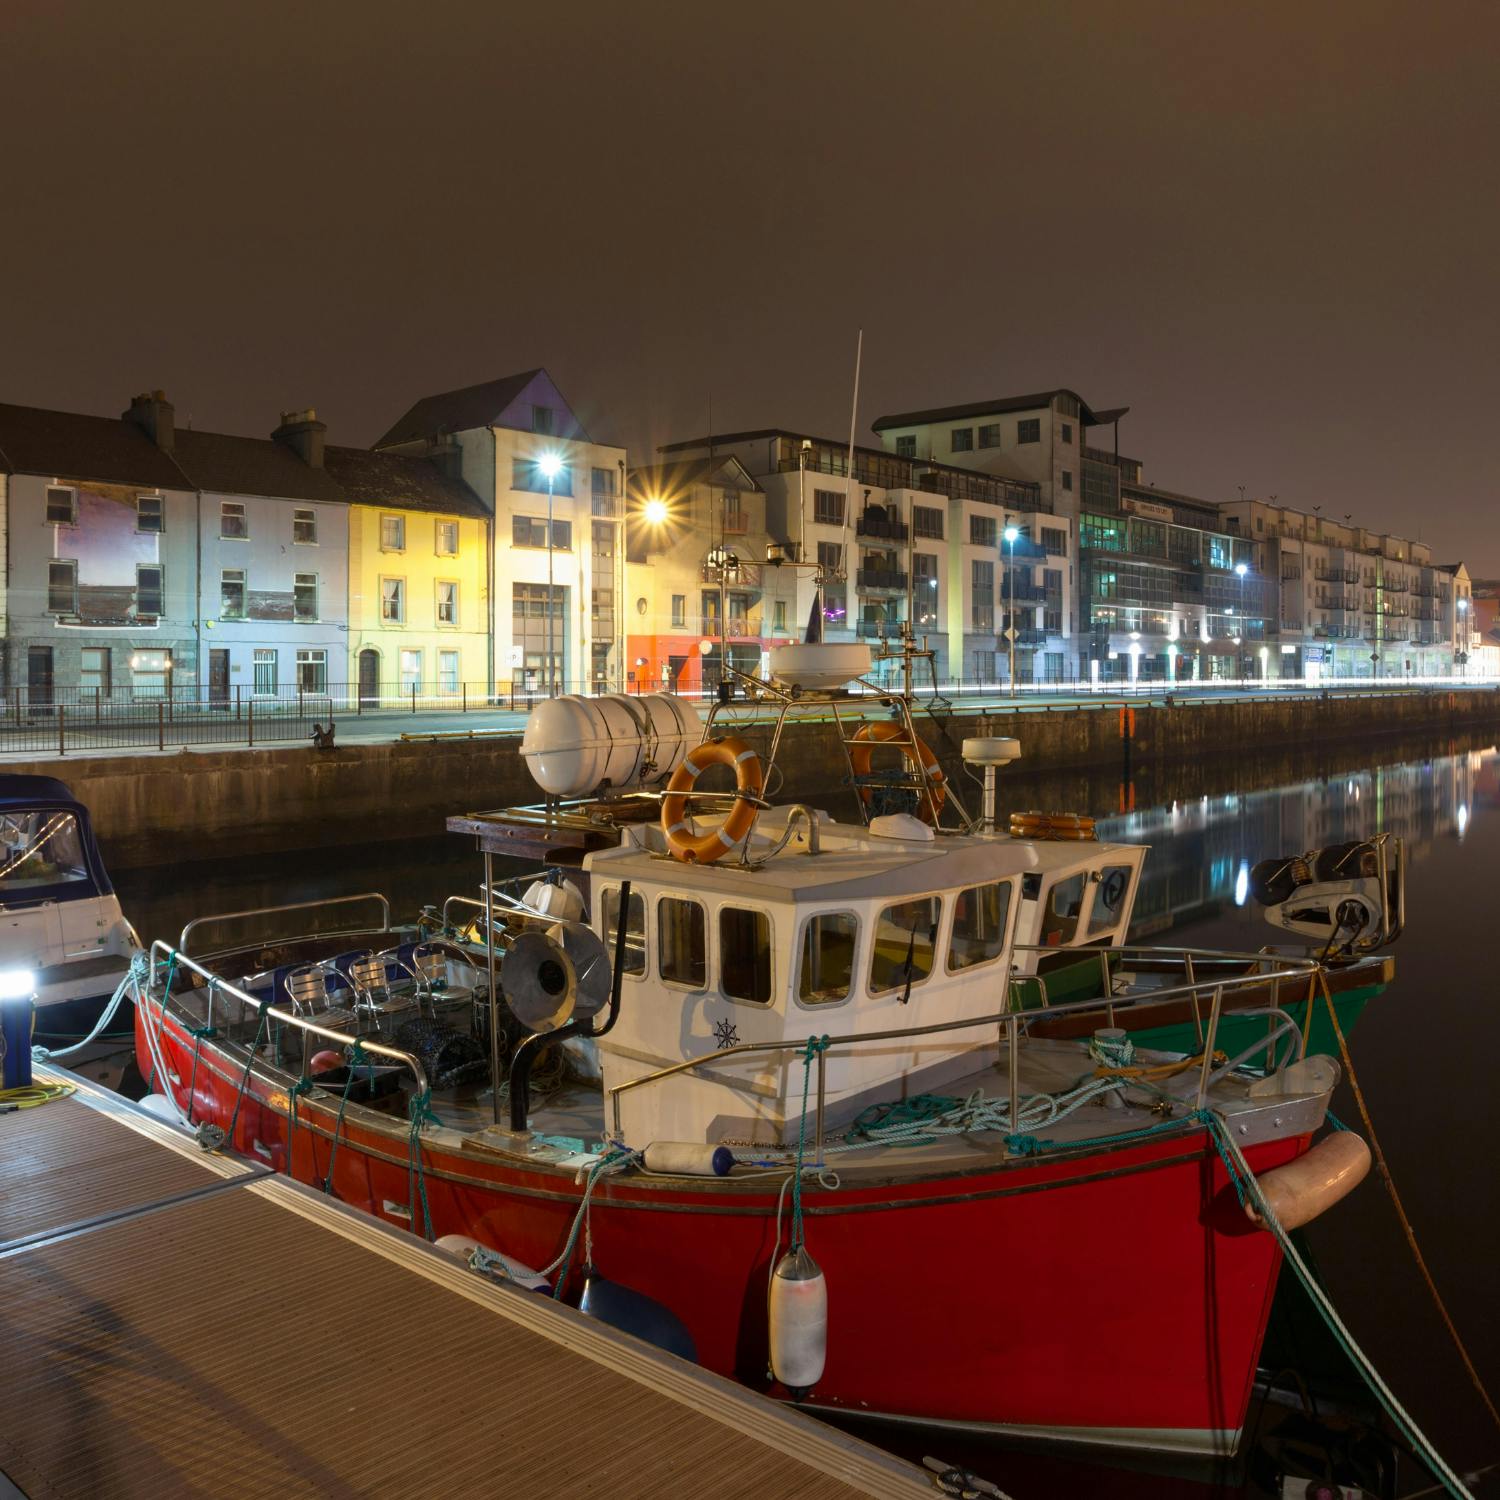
x: 807, y: 1131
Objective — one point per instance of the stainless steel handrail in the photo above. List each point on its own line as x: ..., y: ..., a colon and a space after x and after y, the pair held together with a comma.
x: 217, y: 983
x: 270, y: 911
x: 1010, y: 1020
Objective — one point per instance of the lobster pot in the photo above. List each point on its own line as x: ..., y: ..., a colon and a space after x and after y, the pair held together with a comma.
x: 452, y: 1058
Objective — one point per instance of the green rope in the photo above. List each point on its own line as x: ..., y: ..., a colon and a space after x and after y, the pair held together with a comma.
x: 356, y: 1053
x: 197, y: 1033
x: 421, y: 1114
x: 815, y: 1045
x: 616, y: 1159
x: 304, y: 1085
x: 900, y: 1114
x: 161, y: 1029
x: 239, y: 1096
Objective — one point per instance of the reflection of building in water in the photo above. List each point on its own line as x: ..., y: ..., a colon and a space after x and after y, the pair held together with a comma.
x: 1202, y: 848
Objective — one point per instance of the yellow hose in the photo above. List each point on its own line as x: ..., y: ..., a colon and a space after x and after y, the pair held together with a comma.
x: 36, y: 1093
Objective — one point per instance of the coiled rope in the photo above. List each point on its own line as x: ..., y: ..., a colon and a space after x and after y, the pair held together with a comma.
x: 134, y: 972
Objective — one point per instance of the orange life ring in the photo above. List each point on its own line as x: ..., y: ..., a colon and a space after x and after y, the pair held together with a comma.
x: 1076, y: 827
x: 863, y: 746
x: 705, y: 848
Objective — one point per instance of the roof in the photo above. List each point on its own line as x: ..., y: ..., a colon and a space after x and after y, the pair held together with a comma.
x: 393, y: 479
x: 250, y: 466
x: 458, y: 411
x: 1035, y: 402
x: 69, y: 445
x: 678, y: 474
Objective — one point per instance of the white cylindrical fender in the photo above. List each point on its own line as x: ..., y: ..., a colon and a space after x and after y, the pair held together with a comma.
x: 1301, y: 1190
x: 492, y: 1263
x: 799, y: 1321
x: 688, y: 1159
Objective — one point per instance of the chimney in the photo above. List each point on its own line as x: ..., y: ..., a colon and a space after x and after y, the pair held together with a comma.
x: 152, y: 413
x: 302, y: 432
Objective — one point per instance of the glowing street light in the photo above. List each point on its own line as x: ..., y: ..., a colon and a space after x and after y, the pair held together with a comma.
x: 551, y: 466
x: 1007, y: 588
x: 656, y: 511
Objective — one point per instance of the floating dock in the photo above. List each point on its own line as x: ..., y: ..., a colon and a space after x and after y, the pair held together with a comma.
x: 175, y: 1322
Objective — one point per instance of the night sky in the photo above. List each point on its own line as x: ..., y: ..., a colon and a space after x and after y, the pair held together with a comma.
x: 1272, y: 231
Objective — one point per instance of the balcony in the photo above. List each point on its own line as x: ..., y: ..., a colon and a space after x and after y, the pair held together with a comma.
x: 873, y: 630
x: 878, y: 525
x: 881, y: 579
x: 1022, y: 592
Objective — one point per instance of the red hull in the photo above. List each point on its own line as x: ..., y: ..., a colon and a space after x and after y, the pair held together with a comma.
x: 1113, y: 1295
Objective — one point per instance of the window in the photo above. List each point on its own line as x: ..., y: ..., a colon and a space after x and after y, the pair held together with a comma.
x: 62, y: 587
x: 982, y: 531
x: 149, y: 513
x: 265, y: 671
x: 681, y: 942
x: 831, y: 557
x: 1055, y: 541
x: 150, y: 672
x: 526, y: 474
x: 1109, y: 897
x: 312, y: 671
x: 825, y: 972
x: 904, y: 938
x: 305, y: 526
x: 745, y: 954
x: 1060, y: 916
x: 778, y: 616
x: 232, y: 523
x: 1029, y: 430
x: 447, y: 602
x: 924, y: 587
x: 979, y: 916
x: 602, y: 486
x: 232, y: 594
x: 961, y: 439
x: 710, y: 601
x: 448, y: 668
x: 305, y: 596
x: 149, y: 588
x: 989, y: 435
x: 445, y: 543
x: 531, y: 531
x: 982, y: 581
x: 828, y: 507
x: 529, y: 630
x: 679, y: 611
x: 635, y: 929
x: 393, y: 533
x: 1067, y: 479
x: 927, y: 520
x: 1067, y: 432
x: 541, y: 420
x: 94, y: 670
x: 393, y: 600
x: 62, y: 507
x: 906, y: 446
x: 411, y: 671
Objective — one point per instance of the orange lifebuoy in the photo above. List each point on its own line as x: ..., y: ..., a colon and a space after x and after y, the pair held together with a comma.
x: 863, y: 745
x: 705, y: 848
x: 1077, y: 827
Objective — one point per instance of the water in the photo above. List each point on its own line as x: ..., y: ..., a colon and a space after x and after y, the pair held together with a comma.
x: 1427, y: 1053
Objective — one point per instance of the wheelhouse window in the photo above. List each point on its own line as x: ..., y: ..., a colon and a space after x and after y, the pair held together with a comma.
x: 745, y: 954
x: 1064, y: 901
x: 635, y: 929
x: 979, y: 920
x: 681, y: 942
x: 1111, y: 894
x: 825, y: 970
x: 905, y: 936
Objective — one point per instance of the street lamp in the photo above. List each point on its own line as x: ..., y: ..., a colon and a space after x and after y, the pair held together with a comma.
x: 656, y: 511
x: 1463, y: 634
x: 550, y: 465
x: 1241, y: 569
x: 1007, y: 593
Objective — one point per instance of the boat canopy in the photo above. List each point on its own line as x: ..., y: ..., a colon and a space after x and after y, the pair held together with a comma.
x: 47, y: 847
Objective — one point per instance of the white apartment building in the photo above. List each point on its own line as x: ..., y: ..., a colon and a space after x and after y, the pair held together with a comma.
x: 528, y: 457
x: 903, y: 540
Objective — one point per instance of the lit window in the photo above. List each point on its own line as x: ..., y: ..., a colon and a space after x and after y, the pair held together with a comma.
x: 447, y: 539
x: 393, y: 600
x: 448, y: 671
x: 232, y: 522
x: 411, y: 671
x: 232, y: 594
x: 61, y: 507
x: 826, y: 970
x: 304, y: 526
x: 904, y: 939
x: 635, y: 929
x: 979, y: 915
x: 681, y: 942
x: 150, y: 672
x: 447, y: 603
x: 745, y: 954
x: 305, y: 596
x: 393, y: 533
x: 62, y: 587
x: 149, y: 513
x: 527, y: 474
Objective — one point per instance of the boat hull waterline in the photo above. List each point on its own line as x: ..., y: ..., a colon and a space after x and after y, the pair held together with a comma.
x: 1110, y: 1294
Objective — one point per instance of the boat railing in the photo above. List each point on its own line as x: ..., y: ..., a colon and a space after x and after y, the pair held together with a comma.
x: 273, y: 911
x: 1273, y: 969
x: 164, y: 957
x: 1012, y: 1022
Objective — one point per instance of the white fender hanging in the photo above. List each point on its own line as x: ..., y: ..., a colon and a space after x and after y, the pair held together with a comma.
x: 1301, y: 1190
x: 799, y: 1321
x: 688, y: 1159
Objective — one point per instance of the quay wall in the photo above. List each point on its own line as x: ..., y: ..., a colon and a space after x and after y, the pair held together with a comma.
x: 153, y: 809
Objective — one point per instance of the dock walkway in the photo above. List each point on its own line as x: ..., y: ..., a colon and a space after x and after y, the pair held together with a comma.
x: 178, y: 1323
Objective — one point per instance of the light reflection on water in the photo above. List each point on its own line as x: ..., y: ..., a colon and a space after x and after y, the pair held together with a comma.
x: 1426, y: 1051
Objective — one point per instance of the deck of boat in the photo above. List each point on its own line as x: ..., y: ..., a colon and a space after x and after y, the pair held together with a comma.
x: 183, y: 1323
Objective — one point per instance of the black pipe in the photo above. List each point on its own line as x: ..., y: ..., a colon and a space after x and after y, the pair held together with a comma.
x: 531, y: 1048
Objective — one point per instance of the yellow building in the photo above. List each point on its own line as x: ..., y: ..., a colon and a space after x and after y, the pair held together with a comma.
x: 419, y: 599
